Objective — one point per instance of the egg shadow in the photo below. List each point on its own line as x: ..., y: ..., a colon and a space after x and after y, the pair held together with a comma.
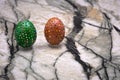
x: 55, y: 46
x: 25, y: 49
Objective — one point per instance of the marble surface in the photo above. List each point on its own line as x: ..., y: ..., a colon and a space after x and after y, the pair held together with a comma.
x: 89, y: 51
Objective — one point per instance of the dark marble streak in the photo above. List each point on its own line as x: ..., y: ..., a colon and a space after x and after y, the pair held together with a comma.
x: 118, y: 30
x: 70, y: 44
x: 105, y: 70
x: 115, y: 75
x: 13, y: 49
x: 12, y: 53
x: 77, y: 23
x: 33, y: 69
x: 105, y: 62
x: 29, y: 70
x: 73, y: 49
x: 71, y: 3
x: 77, y: 26
x: 95, y: 25
x: 110, y: 30
x: 6, y: 29
x: 99, y: 75
x: 54, y: 64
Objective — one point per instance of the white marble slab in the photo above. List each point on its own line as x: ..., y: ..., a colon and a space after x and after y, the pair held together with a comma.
x: 89, y: 51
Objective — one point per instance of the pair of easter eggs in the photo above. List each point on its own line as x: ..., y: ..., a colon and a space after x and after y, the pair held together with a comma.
x: 25, y: 32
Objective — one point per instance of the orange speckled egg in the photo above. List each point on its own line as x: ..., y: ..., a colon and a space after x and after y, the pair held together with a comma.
x: 54, y: 31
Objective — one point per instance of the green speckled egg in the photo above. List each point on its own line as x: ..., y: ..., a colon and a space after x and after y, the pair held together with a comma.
x: 25, y: 33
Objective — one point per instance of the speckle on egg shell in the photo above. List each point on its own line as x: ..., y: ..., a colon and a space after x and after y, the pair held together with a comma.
x: 25, y: 33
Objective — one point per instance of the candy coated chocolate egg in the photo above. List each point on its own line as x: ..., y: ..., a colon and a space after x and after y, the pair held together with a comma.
x: 25, y: 33
x: 54, y: 31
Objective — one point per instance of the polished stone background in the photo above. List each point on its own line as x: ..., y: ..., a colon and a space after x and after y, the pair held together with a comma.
x: 89, y: 51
